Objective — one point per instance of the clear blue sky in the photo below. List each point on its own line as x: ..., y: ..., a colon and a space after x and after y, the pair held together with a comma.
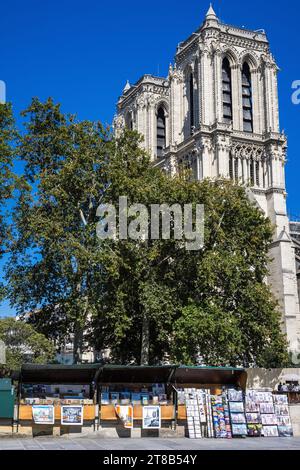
x: 82, y: 52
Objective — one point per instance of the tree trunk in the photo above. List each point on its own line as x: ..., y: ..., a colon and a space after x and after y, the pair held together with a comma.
x: 78, y: 344
x: 145, y: 346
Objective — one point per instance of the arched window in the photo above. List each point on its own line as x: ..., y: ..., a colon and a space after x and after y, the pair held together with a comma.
x: 129, y: 121
x: 191, y: 102
x: 161, y: 131
x: 247, y: 99
x: 227, y: 91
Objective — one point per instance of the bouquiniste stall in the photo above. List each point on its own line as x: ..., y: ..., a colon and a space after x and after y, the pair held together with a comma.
x: 138, y: 401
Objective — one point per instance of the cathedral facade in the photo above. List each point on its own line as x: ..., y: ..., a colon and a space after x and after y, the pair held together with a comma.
x: 217, y: 114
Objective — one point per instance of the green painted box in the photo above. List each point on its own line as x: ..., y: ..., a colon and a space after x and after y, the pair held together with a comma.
x: 7, y: 399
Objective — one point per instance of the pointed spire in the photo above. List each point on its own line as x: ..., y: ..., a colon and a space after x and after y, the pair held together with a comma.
x: 127, y: 87
x: 211, y: 15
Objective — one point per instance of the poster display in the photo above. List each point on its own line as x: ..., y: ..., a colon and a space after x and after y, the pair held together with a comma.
x: 43, y: 414
x: 72, y: 415
x: 125, y: 413
x: 151, y: 417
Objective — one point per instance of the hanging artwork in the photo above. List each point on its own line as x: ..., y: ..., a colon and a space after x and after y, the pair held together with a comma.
x: 125, y: 413
x: 43, y: 414
x: 151, y: 417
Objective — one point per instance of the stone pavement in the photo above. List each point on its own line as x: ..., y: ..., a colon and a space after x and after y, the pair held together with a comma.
x: 89, y: 443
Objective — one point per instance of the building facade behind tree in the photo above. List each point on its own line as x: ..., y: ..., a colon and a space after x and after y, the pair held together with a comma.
x: 217, y: 114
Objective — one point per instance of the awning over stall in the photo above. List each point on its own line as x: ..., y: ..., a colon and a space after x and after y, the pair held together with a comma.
x: 58, y: 374
x: 117, y: 374
x: 210, y: 376
x: 135, y: 374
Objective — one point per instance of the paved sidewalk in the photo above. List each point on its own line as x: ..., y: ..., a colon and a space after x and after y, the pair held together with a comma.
x: 89, y: 443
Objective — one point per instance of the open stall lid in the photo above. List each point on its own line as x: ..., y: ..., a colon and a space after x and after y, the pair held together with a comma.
x: 135, y: 374
x: 210, y: 376
x: 58, y: 374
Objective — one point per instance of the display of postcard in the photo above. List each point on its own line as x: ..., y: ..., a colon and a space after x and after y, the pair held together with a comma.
x: 114, y: 397
x: 125, y: 396
x: 283, y: 420
x: 267, y: 408
x: 43, y: 414
x: 259, y: 397
x: 254, y: 430
x: 235, y: 395
x: 125, y: 413
x: 269, y: 420
x: 251, y: 406
x: 270, y: 431
x: 239, y: 430
x: 280, y: 399
x: 145, y: 398
x: 253, y: 418
x: 282, y: 410
x: 72, y: 415
x: 285, y: 431
x: 136, y: 398
x: 151, y: 417
x: 105, y: 398
x: 158, y: 389
x: 236, y: 407
x: 238, y: 418
x: 162, y: 398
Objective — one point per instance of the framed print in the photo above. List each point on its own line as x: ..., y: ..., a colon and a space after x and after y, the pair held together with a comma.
x: 269, y: 420
x: 280, y: 399
x: 285, y: 431
x: 270, y: 431
x: 236, y: 407
x: 151, y: 417
x: 235, y: 395
x: 72, y: 415
x: 267, y: 408
x: 251, y: 406
x: 253, y: 418
x: 282, y: 410
x: 238, y: 418
x: 283, y: 420
x: 125, y: 413
x: 43, y: 414
x: 239, y: 430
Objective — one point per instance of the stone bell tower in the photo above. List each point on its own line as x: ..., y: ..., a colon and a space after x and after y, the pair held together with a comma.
x: 217, y: 113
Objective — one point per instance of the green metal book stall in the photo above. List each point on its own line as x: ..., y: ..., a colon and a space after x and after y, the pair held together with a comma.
x: 124, y: 401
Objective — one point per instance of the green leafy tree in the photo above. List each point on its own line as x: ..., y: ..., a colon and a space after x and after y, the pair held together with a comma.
x: 147, y: 301
x: 54, y: 262
x: 7, y: 138
x: 24, y: 344
x: 162, y: 302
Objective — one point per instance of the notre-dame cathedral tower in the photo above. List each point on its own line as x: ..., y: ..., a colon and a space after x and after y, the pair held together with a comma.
x: 217, y: 114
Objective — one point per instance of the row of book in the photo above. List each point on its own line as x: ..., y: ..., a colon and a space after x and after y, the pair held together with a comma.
x: 155, y: 395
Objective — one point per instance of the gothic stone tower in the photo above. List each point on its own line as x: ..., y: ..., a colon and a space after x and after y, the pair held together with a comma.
x: 217, y: 114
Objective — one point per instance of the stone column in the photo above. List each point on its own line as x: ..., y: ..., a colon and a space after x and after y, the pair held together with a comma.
x: 218, y: 104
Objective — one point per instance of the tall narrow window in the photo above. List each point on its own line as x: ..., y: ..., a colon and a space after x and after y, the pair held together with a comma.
x: 257, y: 174
x: 247, y: 99
x: 252, y: 173
x: 227, y: 91
x: 231, y: 167
x: 191, y: 99
x: 129, y: 121
x: 161, y: 131
x: 236, y: 169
